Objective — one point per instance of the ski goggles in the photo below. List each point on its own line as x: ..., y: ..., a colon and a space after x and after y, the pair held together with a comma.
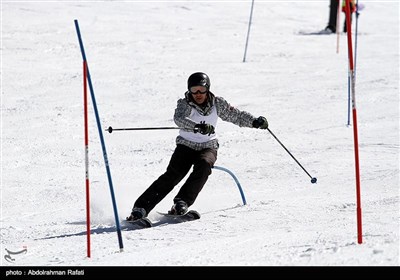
x: 198, y: 89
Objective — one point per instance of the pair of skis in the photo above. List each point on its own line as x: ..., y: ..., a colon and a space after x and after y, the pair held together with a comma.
x: 147, y: 223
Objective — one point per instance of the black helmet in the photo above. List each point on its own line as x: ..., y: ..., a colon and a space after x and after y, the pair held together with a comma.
x: 199, y: 79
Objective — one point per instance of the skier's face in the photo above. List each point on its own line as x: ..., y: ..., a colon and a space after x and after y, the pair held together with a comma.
x: 199, y: 94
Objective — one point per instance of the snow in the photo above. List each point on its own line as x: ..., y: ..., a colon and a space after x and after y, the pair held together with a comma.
x: 140, y: 54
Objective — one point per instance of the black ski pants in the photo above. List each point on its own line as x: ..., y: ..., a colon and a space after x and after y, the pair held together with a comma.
x: 181, y: 161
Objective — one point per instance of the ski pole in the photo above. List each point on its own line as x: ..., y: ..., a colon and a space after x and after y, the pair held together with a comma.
x: 338, y: 26
x: 313, y: 179
x: 110, y: 129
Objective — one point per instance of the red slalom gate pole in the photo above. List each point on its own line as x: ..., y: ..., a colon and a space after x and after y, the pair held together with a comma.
x: 85, y: 110
x: 355, y: 131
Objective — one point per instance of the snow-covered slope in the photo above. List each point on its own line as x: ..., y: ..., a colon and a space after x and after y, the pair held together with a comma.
x: 140, y: 55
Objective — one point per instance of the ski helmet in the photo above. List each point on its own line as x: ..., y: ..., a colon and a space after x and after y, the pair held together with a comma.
x: 199, y: 79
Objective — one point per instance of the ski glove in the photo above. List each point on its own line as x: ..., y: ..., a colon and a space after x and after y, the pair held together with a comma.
x: 261, y: 123
x: 204, y: 128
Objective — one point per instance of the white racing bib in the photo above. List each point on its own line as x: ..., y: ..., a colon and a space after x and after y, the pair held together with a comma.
x: 197, y: 118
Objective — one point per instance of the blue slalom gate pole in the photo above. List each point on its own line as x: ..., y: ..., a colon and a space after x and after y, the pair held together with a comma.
x: 248, y: 31
x: 234, y: 178
x: 103, y: 146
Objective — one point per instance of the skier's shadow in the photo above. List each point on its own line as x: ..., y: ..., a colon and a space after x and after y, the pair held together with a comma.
x: 106, y: 229
x: 125, y: 226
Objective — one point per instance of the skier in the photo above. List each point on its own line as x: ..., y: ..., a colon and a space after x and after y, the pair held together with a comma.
x: 196, y: 115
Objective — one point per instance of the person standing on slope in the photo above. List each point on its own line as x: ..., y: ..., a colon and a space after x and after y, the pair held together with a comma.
x: 196, y: 145
x: 333, y: 13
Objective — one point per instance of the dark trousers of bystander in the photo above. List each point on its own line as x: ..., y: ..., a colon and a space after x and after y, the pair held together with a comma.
x: 333, y: 11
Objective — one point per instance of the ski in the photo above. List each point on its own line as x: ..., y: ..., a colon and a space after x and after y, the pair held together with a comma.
x: 140, y: 223
x: 321, y: 32
x: 188, y: 216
